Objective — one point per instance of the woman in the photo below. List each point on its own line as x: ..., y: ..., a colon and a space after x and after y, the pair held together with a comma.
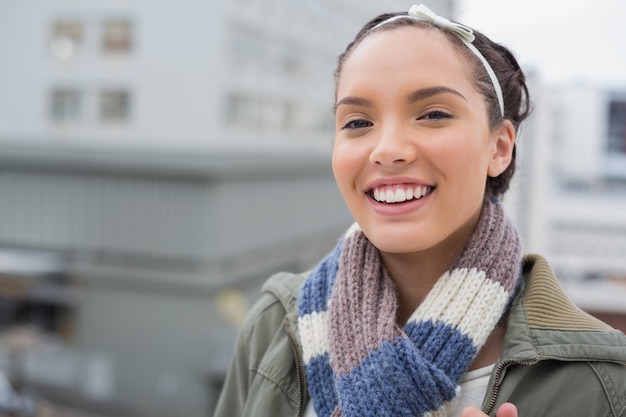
x: 426, y: 306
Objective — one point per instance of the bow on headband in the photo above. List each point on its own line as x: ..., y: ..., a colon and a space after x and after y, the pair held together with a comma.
x: 422, y: 12
x: 463, y: 32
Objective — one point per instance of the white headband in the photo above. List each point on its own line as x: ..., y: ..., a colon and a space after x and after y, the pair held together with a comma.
x: 463, y: 32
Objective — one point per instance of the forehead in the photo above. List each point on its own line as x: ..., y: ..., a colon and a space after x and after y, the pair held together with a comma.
x: 408, y: 54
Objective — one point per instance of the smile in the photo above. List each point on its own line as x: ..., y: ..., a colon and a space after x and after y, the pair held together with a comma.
x: 399, y: 194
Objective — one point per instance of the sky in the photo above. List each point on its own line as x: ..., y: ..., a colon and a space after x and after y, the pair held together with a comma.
x: 564, y: 40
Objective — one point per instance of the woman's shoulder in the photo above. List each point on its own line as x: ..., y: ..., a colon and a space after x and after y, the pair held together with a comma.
x: 278, y: 300
x: 284, y: 287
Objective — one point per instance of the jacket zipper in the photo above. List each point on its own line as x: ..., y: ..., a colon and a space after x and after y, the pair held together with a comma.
x: 299, y: 367
x: 498, y: 380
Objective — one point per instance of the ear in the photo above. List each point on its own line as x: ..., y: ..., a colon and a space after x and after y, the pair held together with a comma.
x: 503, y: 142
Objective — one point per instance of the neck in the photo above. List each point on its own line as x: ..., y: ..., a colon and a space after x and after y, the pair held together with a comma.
x: 492, y: 349
x: 415, y: 274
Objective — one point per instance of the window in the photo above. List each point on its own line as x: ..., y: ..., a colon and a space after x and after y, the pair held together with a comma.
x: 617, y: 127
x: 114, y: 106
x: 65, y: 39
x: 65, y: 105
x: 117, y: 37
x: 242, y: 111
x: 267, y: 113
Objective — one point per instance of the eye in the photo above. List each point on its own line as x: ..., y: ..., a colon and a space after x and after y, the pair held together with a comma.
x: 436, y: 115
x: 357, y: 124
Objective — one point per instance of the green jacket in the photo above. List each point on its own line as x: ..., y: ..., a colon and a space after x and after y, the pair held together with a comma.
x: 556, y: 361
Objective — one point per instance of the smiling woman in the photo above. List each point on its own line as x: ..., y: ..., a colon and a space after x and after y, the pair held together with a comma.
x: 426, y: 129
x: 426, y: 307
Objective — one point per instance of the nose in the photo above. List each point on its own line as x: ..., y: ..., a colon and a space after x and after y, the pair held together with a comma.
x: 394, y: 147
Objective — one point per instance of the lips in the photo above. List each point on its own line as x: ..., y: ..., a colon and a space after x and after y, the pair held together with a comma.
x: 400, y: 193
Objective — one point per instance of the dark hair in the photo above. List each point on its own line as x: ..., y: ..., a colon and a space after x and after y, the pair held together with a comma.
x: 509, y: 74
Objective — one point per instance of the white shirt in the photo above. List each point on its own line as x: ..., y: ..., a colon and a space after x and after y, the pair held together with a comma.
x: 474, y: 386
x: 473, y: 389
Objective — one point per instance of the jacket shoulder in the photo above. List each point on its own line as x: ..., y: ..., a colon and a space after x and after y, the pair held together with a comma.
x: 278, y: 301
x: 285, y: 286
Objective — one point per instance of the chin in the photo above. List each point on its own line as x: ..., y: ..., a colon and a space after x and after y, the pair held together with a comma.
x: 390, y: 242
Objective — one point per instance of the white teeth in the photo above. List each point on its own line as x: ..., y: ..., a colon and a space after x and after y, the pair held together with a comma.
x: 400, y: 194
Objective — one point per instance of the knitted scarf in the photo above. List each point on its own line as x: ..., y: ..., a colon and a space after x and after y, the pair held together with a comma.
x: 359, y: 362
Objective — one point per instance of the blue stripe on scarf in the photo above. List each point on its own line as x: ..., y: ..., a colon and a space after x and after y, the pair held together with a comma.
x: 386, y: 381
x: 398, y: 362
x: 319, y: 376
x: 316, y: 292
x: 454, y: 350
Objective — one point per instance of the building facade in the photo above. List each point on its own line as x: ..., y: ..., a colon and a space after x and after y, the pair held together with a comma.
x: 144, y: 73
x: 571, y: 191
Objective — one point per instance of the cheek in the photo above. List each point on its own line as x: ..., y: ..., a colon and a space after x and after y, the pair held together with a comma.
x: 463, y: 161
x: 345, y: 164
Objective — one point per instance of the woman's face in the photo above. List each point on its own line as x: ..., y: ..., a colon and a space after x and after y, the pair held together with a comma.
x: 412, y: 143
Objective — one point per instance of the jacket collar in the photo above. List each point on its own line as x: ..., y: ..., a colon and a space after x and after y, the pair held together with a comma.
x: 545, y: 324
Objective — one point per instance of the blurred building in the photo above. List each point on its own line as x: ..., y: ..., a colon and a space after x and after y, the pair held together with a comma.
x: 160, y: 160
x: 571, y: 202
x: 133, y: 73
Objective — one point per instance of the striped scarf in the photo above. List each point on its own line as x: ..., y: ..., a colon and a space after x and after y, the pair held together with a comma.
x: 360, y: 363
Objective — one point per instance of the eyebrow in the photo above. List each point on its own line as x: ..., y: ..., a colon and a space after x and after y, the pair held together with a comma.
x: 425, y: 93
x: 413, y: 97
x: 354, y: 101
